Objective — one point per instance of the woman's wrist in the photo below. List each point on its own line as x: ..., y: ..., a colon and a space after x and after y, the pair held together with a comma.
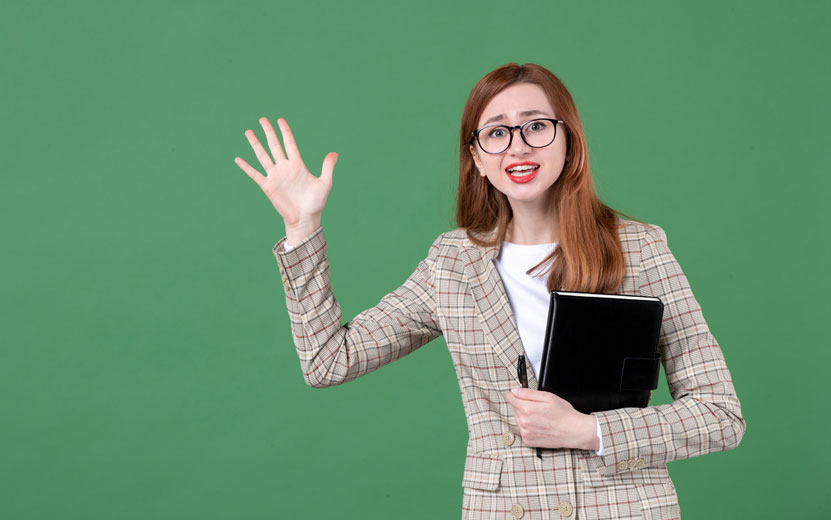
x: 588, y: 430
x: 299, y: 232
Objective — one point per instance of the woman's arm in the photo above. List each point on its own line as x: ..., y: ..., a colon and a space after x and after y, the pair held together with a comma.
x: 705, y: 415
x: 331, y: 353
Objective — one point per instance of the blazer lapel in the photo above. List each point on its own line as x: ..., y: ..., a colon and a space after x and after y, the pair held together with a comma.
x: 494, y: 308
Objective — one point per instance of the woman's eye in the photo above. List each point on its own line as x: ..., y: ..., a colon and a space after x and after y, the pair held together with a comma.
x: 536, y: 126
x: 496, y: 132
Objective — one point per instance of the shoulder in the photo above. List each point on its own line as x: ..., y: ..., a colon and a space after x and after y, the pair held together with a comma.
x: 456, y: 241
x: 645, y: 245
x: 454, y: 237
x: 636, y: 235
x: 449, y: 243
x: 632, y: 233
x: 453, y: 249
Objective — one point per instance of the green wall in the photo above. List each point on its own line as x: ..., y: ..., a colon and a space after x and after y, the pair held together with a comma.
x: 148, y: 369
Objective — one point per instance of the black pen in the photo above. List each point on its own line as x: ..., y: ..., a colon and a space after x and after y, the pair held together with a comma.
x: 522, y: 374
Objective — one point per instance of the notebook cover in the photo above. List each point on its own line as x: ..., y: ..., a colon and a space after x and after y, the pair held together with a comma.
x: 600, y: 350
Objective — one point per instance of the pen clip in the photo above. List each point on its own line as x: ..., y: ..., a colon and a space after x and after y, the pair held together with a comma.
x: 521, y: 371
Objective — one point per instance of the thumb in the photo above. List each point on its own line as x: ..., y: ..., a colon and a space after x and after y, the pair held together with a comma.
x: 529, y: 394
x: 328, y: 167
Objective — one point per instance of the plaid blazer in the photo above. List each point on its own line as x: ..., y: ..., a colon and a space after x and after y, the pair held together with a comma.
x: 456, y: 291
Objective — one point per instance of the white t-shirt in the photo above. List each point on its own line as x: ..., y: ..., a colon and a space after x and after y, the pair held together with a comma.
x: 527, y: 295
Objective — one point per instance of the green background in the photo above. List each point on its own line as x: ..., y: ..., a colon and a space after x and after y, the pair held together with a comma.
x: 148, y: 368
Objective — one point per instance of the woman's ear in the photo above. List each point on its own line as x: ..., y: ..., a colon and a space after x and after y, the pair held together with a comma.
x: 476, y: 161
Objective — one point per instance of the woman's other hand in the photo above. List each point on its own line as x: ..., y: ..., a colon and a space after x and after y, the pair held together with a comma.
x: 547, y: 420
x: 296, y: 194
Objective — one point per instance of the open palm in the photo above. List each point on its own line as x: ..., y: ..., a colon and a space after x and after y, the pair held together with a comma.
x: 296, y: 194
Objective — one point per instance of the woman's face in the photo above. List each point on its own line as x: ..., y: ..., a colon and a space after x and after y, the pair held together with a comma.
x: 514, y: 106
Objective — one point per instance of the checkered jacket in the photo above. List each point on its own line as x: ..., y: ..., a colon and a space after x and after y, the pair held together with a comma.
x: 456, y: 291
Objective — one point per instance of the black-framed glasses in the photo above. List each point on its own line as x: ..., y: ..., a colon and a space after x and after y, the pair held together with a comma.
x: 537, y: 133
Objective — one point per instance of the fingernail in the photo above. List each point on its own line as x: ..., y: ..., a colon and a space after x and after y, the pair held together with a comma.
x: 515, y: 391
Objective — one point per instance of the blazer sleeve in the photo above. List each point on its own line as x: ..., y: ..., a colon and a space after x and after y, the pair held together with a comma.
x: 332, y: 353
x: 705, y: 415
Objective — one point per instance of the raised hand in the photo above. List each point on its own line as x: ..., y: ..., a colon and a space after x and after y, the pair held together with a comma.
x: 296, y: 194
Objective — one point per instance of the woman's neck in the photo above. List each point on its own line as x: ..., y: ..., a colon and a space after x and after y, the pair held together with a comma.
x: 533, y: 229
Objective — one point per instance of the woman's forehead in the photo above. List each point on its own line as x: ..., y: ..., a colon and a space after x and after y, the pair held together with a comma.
x: 517, y: 102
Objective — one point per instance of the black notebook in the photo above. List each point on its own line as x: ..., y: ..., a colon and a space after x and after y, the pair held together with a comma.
x: 601, y: 350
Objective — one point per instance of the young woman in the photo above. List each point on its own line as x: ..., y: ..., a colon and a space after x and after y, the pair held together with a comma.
x: 528, y: 222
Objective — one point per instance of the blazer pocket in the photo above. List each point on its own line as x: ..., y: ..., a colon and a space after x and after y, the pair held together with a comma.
x: 482, y: 472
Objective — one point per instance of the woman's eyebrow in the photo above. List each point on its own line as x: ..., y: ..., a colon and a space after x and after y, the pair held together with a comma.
x: 502, y: 116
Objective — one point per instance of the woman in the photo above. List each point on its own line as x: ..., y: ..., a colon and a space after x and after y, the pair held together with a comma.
x: 526, y: 200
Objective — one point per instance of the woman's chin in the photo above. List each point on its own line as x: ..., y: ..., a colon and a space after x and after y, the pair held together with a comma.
x: 527, y: 194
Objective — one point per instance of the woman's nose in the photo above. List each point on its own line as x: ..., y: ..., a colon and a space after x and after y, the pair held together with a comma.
x: 518, y: 144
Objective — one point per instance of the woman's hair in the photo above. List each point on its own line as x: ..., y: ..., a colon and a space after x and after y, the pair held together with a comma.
x: 588, y: 256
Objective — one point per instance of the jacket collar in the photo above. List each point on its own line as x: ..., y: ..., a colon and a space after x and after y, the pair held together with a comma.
x: 494, y: 308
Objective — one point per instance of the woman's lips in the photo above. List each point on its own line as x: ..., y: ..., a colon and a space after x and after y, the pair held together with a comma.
x: 525, y: 178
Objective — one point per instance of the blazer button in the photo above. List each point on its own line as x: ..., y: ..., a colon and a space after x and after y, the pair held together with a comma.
x: 623, y: 465
x: 640, y: 463
x: 508, y: 438
x: 517, y: 511
x: 632, y: 463
x: 565, y: 508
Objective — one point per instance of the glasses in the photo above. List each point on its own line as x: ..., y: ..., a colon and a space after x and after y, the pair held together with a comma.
x: 537, y: 133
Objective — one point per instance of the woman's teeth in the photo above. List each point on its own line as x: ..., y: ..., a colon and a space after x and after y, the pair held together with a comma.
x: 521, y: 171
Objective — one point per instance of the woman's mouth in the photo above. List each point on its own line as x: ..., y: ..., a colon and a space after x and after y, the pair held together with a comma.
x: 522, y: 172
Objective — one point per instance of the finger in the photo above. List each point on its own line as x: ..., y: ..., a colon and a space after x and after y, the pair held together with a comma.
x: 529, y: 394
x: 252, y: 172
x: 328, y: 167
x: 273, y: 142
x: 288, y: 139
x: 259, y: 151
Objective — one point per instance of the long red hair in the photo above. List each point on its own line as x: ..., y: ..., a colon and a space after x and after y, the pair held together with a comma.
x: 588, y: 256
